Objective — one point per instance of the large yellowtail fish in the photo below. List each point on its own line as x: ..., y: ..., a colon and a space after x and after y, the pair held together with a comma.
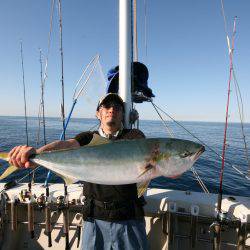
x: 122, y: 161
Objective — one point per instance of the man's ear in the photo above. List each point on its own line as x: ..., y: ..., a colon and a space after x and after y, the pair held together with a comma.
x: 97, y: 114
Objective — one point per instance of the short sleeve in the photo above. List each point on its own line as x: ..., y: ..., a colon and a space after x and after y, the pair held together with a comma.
x: 84, y: 138
x: 133, y: 134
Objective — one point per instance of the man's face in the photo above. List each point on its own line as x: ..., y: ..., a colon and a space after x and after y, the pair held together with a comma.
x: 110, y: 114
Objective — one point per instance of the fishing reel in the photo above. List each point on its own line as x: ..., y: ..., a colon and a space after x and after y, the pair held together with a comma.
x: 41, y: 201
x: 224, y: 221
x: 26, y: 195
x: 61, y: 202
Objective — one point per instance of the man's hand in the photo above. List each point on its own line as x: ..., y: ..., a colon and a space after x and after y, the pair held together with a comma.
x: 19, y: 156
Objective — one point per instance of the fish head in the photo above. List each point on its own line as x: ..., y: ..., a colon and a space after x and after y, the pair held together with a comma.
x: 175, y: 156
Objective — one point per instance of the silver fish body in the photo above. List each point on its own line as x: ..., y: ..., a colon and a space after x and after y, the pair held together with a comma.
x: 123, y: 161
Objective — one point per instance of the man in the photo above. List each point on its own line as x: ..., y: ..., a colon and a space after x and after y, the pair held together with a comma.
x: 114, y: 215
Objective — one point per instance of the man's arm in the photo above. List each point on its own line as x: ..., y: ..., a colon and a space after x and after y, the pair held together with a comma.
x: 19, y: 155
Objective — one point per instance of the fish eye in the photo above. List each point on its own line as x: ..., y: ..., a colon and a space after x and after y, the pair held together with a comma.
x: 185, y: 154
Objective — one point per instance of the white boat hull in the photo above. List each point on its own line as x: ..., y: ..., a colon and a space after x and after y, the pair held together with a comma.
x: 168, y: 220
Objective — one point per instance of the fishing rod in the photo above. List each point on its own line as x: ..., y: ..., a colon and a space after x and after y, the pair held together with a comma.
x: 79, y: 89
x: 41, y: 104
x: 31, y: 197
x: 62, y: 75
x: 222, y: 217
x: 231, y: 50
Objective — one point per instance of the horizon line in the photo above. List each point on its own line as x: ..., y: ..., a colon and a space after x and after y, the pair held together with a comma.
x: 58, y: 117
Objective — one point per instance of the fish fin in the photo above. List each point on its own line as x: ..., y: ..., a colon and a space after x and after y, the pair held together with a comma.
x: 98, y: 140
x: 11, y: 169
x: 67, y: 180
x: 4, y: 156
x: 148, y: 167
x: 142, y: 188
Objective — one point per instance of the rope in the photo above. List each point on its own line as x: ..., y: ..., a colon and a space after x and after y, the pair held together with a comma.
x: 202, y: 142
x: 24, y: 96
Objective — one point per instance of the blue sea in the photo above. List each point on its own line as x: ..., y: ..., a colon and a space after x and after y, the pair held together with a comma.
x: 12, y: 133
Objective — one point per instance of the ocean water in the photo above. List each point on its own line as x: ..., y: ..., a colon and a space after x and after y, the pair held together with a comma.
x: 12, y: 133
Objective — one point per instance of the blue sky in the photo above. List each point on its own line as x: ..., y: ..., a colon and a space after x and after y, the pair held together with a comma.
x: 187, y: 54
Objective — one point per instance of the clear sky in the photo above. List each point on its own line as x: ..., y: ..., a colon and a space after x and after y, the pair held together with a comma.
x: 187, y: 54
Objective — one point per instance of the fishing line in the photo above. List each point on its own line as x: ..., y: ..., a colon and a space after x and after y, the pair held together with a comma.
x: 49, y: 41
x: 25, y: 107
x: 45, y: 75
x: 241, y: 114
x: 224, y: 17
x: 24, y: 95
x: 202, y: 142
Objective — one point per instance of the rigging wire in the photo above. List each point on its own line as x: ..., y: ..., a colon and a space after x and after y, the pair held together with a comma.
x: 135, y: 40
x: 145, y: 30
x: 169, y: 130
x: 62, y: 74
x: 202, y: 142
x: 196, y: 175
x: 24, y: 95
x: 203, y: 186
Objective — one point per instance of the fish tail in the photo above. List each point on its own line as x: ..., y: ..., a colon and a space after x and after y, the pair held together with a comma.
x: 10, y: 169
x: 4, y: 156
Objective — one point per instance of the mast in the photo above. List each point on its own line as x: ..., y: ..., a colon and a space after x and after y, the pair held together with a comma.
x: 125, y: 56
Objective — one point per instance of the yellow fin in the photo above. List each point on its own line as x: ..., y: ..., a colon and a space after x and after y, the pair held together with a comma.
x: 11, y: 169
x: 4, y: 156
x: 142, y: 188
x: 148, y: 167
x: 67, y: 180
